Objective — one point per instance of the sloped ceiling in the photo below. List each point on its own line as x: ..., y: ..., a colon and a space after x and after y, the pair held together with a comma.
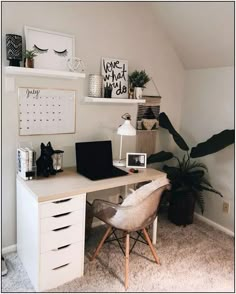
x: 202, y: 33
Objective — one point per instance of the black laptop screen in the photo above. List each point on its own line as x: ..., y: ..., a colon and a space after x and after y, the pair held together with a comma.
x: 93, y: 158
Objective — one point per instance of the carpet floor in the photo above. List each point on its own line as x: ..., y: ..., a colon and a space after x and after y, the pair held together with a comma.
x: 196, y: 258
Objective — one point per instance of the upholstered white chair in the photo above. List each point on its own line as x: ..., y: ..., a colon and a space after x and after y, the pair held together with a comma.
x: 138, y: 210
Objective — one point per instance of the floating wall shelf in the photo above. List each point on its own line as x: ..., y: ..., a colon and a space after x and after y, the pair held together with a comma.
x: 114, y: 100
x: 47, y: 73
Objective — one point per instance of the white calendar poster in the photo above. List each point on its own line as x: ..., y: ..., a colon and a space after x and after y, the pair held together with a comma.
x: 46, y: 111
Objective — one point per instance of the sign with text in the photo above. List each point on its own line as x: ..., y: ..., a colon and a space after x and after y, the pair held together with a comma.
x: 115, y: 73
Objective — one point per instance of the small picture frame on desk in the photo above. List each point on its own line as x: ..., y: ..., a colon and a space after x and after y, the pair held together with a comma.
x: 136, y: 160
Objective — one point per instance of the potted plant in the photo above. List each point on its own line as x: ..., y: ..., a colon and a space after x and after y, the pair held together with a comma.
x: 29, y: 58
x: 138, y: 80
x: 188, y: 177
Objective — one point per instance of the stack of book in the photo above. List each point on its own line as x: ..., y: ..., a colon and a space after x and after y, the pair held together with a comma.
x: 26, y: 163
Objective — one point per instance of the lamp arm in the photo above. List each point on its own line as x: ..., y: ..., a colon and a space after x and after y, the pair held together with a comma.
x: 120, y: 147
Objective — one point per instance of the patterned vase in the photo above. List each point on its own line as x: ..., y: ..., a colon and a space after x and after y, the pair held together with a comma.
x: 95, y: 85
x: 14, y: 49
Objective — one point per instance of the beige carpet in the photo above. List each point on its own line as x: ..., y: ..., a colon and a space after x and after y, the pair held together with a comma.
x: 196, y: 258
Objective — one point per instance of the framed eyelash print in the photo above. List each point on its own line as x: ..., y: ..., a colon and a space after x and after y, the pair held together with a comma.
x: 53, y: 49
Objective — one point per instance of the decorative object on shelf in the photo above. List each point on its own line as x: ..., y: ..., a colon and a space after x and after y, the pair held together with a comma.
x: 108, y: 91
x: 76, y: 64
x: 26, y: 161
x: 53, y: 48
x: 95, y: 85
x: 45, y: 161
x: 147, y: 116
x: 57, y: 158
x: 115, y: 72
x: 126, y: 129
x: 136, y: 160
x: 14, y: 49
x: 46, y: 111
x: 138, y: 80
x: 29, y: 58
x: 147, y: 124
x: 188, y: 178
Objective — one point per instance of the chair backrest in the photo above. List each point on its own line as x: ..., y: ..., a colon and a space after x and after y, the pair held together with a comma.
x: 139, y: 209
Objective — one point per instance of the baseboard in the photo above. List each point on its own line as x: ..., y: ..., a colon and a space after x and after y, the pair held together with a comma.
x: 214, y: 224
x: 9, y: 249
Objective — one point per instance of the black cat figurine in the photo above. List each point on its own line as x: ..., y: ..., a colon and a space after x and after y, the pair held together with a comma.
x: 45, y: 162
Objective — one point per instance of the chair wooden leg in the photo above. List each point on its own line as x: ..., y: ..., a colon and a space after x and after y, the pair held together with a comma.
x: 126, y: 261
x: 101, y: 243
x: 151, y: 246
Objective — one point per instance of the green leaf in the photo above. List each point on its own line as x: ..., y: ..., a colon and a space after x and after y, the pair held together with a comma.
x: 201, y: 187
x: 206, y: 182
x: 195, y: 164
x: 165, y: 123
x: 159, y: 157
x: 200, y: 200
x: 214, y: 144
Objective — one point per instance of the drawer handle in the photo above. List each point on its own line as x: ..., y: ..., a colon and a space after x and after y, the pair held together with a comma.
x: 61, y: 201
x: 63, y: 228
x: 63, y: 214
x: 56, y: 268
x: 62, y: 247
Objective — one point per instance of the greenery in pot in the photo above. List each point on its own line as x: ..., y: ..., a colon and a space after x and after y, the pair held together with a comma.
x: 138, y: 79
x: 29, y: 58
x: 30, y: 54
x: 188, y: 177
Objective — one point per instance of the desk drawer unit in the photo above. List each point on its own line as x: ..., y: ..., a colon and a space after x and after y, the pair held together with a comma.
x: 62, y: 225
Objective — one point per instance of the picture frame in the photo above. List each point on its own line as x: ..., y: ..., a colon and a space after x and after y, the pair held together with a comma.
x: 53, y: 49
x: 136, y: 160
x: 115, y: 74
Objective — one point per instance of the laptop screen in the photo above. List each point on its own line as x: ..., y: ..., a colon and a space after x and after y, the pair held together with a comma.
x: 94, y: 158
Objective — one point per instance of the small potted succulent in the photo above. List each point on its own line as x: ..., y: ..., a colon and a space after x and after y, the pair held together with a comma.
x: 29, y: 58
x: 138, y: 80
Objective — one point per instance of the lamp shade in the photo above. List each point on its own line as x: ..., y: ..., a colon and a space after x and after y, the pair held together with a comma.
x: 126, y: 129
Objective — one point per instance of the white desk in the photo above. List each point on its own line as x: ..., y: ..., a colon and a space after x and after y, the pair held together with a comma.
x: 51, y: 223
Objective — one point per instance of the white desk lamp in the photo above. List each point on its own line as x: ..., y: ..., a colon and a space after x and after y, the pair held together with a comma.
x: 126, y: 129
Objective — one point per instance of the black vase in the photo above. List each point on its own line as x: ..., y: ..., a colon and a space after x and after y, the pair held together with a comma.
x: 14, y: 49
x: 181, y: 208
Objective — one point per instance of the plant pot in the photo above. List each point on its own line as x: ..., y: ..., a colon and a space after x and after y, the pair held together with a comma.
x: 138, y: 93
x: 181, y: 208
x: 29, y: 63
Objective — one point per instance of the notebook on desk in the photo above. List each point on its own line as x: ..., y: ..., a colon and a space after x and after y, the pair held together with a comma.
x: 94, y: 160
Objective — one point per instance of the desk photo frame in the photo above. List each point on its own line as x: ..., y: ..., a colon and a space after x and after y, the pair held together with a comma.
x: 136, y: 160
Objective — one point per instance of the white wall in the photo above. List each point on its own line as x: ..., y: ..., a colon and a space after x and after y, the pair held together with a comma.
x: 122, y: 30
x: 208, y: 108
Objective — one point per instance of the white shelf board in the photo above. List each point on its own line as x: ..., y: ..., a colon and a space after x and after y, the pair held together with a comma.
x: 114, y: 100
x: 47, y: 73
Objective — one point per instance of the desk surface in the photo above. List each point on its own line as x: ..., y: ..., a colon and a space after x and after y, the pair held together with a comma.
x: 70, y: 183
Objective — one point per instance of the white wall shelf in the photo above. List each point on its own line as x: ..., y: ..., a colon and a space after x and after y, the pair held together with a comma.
x: 47, y: 73
x: 114, y: 100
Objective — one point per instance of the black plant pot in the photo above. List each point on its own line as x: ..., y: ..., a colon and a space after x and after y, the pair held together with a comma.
x: 181, y: 208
